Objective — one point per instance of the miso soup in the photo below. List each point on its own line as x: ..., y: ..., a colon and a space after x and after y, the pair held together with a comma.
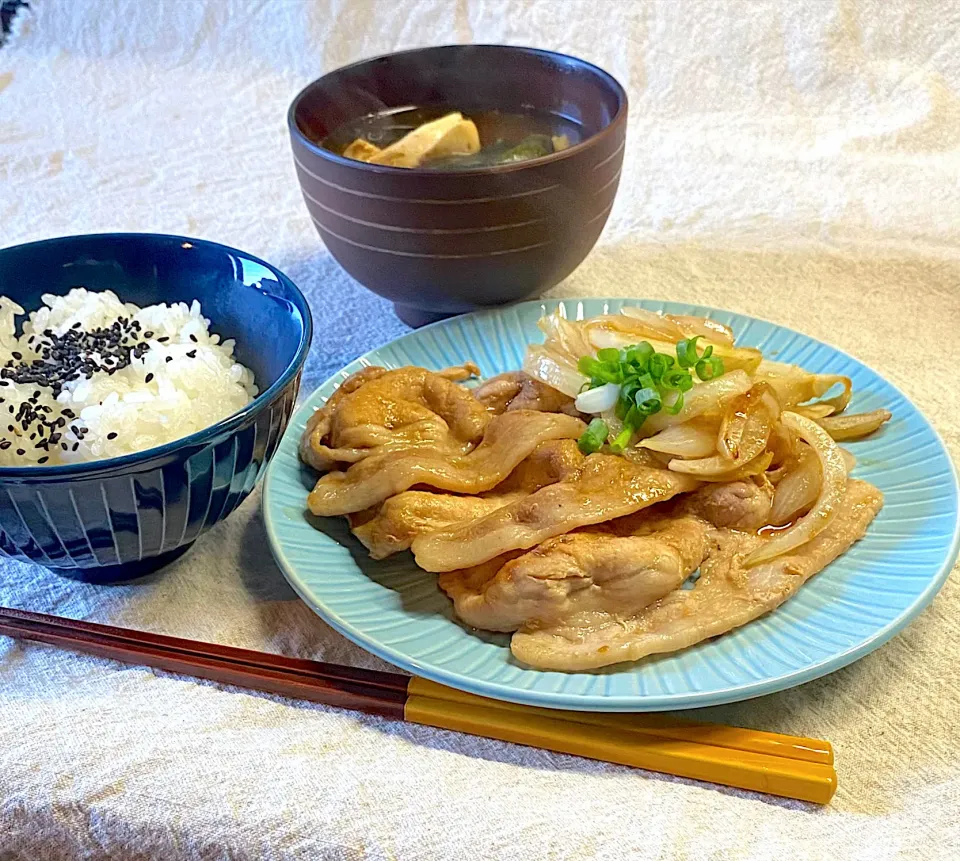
x: 442, y: 139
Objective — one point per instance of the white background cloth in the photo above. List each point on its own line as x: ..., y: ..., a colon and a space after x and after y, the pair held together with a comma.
x: 799, y: 161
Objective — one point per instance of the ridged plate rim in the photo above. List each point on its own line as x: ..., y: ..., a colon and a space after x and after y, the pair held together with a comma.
x: 283, y: 484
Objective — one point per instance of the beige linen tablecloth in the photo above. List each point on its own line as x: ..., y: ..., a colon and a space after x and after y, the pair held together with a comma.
x: 797, y: 161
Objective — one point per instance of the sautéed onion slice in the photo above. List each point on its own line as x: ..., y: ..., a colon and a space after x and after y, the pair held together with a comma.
x: 854, y: 425
x: 691, y: 439
x: 833, y: 485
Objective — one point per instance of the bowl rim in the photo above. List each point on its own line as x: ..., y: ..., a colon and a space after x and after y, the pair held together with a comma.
x: 618, y: 89
x: 226, y: 425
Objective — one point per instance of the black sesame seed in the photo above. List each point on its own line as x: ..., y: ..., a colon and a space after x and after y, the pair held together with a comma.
x: 148, y: 334
x: 76, y: 325
x: 148, y: 378
x: 193, y: 338
x: 16, y: 355
x: 43, y: 459
x: 64, y: 446
x: 163, y: 339
x: 76, y: 445
x: 168, y: 359
x: 76, y: 354
x: 112, y: 435
x: 5, y: 444
x: 192, y: 354
x: 21, y: 452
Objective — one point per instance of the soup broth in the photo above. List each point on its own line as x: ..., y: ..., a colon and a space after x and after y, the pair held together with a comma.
x: 504, y: 137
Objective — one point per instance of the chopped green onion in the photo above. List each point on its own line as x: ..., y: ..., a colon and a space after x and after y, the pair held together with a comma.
x: 593, y: 438
x: 622, y: 440
x: 687, y: 352
x: 677, y: 380
x: 709, y: 368
x: 639, y: 355
x: 677, y: 405
x: 588, y: 366
x: 660, y: 363
x: 649, y: 382
x: 645, y: 381
x: 600, y: 373
x: 648, y: 401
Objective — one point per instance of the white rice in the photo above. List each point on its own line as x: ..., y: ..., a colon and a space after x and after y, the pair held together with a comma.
x: 121, y: 412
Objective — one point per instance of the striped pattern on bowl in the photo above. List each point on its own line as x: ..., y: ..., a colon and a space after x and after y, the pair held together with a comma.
x: 129, y: 520
x: 116, y: 519
x: 442, y: 242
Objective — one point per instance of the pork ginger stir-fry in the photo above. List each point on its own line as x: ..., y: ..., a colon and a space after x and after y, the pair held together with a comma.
x: 569, y: 502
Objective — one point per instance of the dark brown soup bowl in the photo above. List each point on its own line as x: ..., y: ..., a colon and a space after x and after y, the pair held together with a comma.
x: 443, y: 242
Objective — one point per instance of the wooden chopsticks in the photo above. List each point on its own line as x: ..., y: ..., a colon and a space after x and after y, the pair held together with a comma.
x: 790, y: 766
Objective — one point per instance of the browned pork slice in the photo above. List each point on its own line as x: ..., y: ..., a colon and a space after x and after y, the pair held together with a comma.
x: 725, y: 596
x: 741, y: 505
x: 507, y: 441
x: 580, y: 573
x: 392, y: 526
x: 607, y: 487
x: 375, y: 411
x: 517, y: 390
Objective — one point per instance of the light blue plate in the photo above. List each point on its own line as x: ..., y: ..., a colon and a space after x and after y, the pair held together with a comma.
x: 858, y: 603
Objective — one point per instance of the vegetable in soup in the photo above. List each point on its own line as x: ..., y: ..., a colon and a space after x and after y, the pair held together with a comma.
x: 447, y: 140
